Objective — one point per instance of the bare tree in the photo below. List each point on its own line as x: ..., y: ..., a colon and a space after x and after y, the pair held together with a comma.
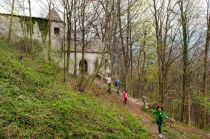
x: 11, y: 19
x: 31, y: 28
x: 69, y: 10
x: 163, y: 19
x: 75, y: 37
x: 205, y: 63
x: 64, y: 42
x: 49, y: 30
x: 189, y: 11
x: 186, y: 75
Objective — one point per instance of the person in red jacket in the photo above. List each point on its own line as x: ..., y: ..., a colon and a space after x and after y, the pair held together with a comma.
x: 125, y: 97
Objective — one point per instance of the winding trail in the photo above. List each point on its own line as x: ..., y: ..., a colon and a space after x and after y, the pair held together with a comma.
x: 134, y: 107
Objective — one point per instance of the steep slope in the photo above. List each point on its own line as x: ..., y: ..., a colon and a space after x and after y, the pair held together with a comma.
x: 34, y: 103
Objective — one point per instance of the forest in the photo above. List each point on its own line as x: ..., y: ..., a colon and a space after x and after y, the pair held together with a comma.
x: 158, y: 48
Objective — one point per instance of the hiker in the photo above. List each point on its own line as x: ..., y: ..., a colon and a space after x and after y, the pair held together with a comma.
x: 159, y: 117
x: 125, y: 97
x: 117, y: 84
x: 109, y: 82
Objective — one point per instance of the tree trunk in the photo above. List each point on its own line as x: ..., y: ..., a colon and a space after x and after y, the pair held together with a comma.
x: 128, y: 41
x: 64, y: 43
x: 68, y: 44
x: 81, y: 84
x: 11, y: 18
x: 122, y: 44
x: 75, y: 40
x: 185, y: 87
x: 205, y: 71
x: 31, y: 29
x: 49, y: 27
x: 69, y: 29
x: 161, y: 56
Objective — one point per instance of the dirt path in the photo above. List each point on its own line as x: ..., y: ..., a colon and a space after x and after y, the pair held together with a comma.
x: 134, y: 107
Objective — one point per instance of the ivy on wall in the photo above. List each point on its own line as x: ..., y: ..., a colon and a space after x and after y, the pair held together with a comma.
x: 26, y: 25
x: 42, y: 24
x: 43, y: 27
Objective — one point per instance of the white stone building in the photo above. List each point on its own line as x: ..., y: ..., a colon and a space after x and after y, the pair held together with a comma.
x: 94, y: 54
x: 94, y: 51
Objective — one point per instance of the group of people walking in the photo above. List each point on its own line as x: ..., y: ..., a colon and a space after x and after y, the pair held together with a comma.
x: 117, y: 84
x: 157, y: 113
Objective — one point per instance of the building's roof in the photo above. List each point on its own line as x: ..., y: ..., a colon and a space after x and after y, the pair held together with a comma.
x: 54, y: 17
x: 6, y: 14
x: 96, y: 45
x: 93, y: 46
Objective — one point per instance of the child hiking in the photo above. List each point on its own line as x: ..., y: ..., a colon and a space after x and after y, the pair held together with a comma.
x: 159, y: 117
x: 125, y: 97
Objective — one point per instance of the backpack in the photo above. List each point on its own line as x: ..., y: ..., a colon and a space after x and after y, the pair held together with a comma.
x: 115, y: 83
x: 160, y: 117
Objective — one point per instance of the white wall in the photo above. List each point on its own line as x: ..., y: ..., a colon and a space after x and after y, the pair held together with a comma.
x: 57, y: 40
x: 90, y: 58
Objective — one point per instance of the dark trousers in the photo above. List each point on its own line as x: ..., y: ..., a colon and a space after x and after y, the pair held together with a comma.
x: 125, y: 100
x: 109, y: 85
x: 109, y: 88
x: 118, y: 90
x: 159, y: 126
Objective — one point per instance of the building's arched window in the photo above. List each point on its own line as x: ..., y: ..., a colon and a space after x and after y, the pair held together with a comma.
x: 83, y: 66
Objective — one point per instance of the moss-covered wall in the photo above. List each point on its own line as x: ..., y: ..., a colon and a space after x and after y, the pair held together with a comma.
x: 27, y: 25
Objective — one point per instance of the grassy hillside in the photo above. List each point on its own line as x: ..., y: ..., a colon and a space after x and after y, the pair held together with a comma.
x: 35, y: 104
x: 181, y: 131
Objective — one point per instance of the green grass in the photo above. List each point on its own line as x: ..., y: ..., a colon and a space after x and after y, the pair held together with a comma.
x: 176, y: 133
x: 35, y: 104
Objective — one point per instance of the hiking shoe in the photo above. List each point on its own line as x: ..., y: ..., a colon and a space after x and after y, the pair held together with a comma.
x: 160, y: 135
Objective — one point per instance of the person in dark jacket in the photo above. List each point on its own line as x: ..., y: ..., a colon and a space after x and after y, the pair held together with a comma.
x: 118, y: 83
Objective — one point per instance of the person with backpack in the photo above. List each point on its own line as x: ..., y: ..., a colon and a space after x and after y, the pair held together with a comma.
x: 117, y: 84
x: 125, y: 97
x: 159, y: 116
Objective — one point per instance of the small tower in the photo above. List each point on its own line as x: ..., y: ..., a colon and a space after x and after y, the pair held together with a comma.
x: 54, y: 16
x: 57, y: 29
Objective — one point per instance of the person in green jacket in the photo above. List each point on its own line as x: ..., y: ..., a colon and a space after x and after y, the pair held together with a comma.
x: 159, y: 116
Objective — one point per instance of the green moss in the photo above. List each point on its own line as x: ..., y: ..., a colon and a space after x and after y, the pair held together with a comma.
x: 26, y: 24
x: 43, y: 27
x: 42, y: 23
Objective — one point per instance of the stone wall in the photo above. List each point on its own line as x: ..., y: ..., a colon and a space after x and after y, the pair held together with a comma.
x: 20, y: 30
x: 91, y: 59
